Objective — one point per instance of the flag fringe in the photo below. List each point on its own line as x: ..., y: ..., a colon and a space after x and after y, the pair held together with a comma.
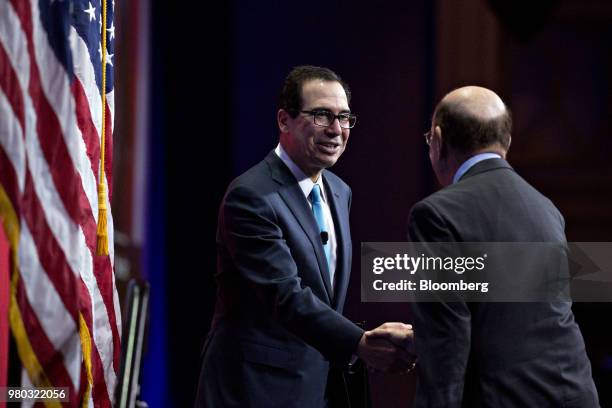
x: 102, y: 231
x: 86, y: 346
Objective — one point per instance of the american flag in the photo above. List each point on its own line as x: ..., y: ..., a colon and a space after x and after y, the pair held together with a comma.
x: 64, y: 311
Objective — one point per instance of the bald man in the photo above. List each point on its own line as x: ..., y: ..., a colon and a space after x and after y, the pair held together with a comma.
x: 491, y: 354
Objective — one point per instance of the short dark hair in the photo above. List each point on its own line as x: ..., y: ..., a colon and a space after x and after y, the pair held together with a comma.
x: 466, y: 133
x: 290, y: 98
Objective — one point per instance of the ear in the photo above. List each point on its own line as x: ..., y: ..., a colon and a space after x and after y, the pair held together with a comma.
x: 437, y: 132
x: 438, y: 142
x: 504, y: 150
x: 282, y: 118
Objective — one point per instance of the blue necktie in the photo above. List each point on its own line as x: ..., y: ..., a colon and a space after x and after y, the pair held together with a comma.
x: 317, y: 209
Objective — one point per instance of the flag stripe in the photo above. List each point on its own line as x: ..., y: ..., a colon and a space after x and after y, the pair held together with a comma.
x: 52, y: 257
x: 61, y: 331
x: 10, y: 85
x: 12, y: 143
x: 8, y: 179
x: 14, y: 42
x: 86, y: 125
x: 45, y: 352
x: 84, y: 71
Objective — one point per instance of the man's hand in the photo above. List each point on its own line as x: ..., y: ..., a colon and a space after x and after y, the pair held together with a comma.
x: 388, y: 348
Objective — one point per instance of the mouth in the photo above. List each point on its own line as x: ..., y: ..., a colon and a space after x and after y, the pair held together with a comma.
x: 328, y: 147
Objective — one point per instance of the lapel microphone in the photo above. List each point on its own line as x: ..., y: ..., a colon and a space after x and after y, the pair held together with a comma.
x: 324, y: 237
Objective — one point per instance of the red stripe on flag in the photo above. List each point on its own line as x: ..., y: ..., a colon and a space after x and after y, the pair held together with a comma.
x: 99, y: 390
x: 52, y: 360
x: 52, y: 258
x: 8, y: 179
x: 9, y: 83
x: 90, y: 134
x: 102, y: 266
x: 86, y: 125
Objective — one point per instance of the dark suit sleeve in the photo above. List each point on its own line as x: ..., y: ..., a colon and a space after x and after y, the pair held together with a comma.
x: 442, y: 330
x: 255, y: 242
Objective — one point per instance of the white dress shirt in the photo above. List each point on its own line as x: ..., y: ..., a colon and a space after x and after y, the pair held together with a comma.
x: 306, y: 184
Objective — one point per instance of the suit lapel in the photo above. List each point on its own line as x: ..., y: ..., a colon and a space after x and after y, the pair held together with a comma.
x: 292, y: 195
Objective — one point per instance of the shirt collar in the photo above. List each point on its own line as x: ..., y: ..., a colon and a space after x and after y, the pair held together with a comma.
x: 305, y: 183
x: 469, y: 163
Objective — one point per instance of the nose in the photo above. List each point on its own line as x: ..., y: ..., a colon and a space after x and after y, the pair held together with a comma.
x: 334, y: 128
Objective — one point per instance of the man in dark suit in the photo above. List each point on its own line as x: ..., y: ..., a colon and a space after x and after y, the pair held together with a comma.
x: 284, y: 258
x: 491, y: 354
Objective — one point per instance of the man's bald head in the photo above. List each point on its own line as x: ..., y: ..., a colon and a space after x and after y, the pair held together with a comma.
x: 473, y: 118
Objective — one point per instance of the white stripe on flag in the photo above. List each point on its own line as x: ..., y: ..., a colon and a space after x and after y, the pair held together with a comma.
x: 84, y: 71
x: 110, y: 101
x: 56, y: 321
x: 14, y: 41
x: 26, y: 383
x: 11, y: 140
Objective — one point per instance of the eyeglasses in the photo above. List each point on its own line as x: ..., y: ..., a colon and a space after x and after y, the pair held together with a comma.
x: 427, y: 137
x: 324, y: 118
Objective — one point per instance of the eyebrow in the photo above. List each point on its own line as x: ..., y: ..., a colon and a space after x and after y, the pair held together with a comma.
x: 329, y: 110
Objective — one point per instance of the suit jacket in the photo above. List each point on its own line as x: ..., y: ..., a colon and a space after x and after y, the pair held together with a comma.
x: 496, y: 354
x: 277, y: 325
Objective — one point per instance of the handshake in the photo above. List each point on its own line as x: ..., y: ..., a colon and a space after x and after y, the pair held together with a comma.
x: 388, y: 348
